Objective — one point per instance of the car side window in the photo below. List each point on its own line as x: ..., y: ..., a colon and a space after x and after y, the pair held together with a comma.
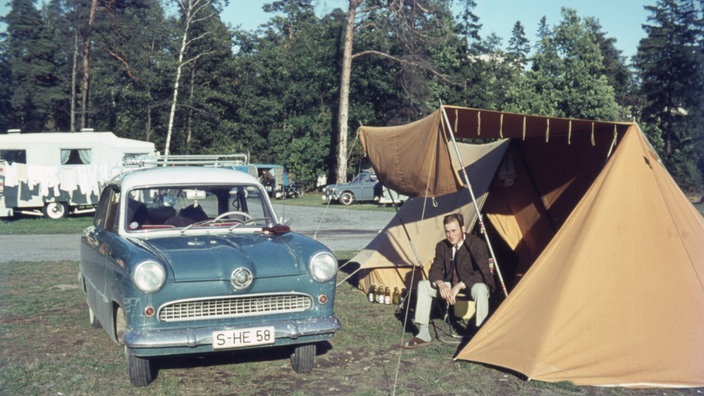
x: 113, y: 217
x: 255, y: 205
x: 101, y: 214
x: 107, y: 215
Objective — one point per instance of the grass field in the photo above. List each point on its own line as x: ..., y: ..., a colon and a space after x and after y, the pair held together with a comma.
x: 47, y: 347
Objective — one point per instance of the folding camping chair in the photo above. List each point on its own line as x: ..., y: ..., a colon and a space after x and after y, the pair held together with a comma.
x: 455, y: 319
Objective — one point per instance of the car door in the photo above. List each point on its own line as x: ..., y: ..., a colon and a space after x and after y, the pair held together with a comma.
x: 365, y: 188
x: 95, y: 248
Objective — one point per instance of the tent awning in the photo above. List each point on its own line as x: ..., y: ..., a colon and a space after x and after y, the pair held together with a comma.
x: 415, y: 159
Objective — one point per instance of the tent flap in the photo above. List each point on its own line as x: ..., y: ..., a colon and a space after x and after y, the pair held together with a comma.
x: 412, y: 159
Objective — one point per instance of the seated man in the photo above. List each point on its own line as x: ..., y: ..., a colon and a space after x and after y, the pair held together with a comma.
x: 461, y: 263
x: 187, y: 216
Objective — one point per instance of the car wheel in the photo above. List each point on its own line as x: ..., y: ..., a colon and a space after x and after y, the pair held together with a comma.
x: 55, y: 210
x: 303, y: 358
x: 141, y: 370
x: 94, y: 323
x: 347, y: 198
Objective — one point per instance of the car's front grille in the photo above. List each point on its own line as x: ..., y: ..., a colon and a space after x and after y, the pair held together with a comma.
x: 234, y: 307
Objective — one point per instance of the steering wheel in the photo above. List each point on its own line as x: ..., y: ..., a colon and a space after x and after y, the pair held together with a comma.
x: 245, y: 216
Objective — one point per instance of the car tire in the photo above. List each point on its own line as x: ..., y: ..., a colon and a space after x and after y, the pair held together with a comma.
x: 141, y: 369
x: 94, y: 323
x: 347, y: 198
x: 303, y: 358
x: 55, y: 210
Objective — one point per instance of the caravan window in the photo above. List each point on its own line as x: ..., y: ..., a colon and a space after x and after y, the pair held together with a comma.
x: 12, y: 156
x: 76, y: 156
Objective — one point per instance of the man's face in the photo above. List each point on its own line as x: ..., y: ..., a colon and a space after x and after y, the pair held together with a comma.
x: 453, y: 232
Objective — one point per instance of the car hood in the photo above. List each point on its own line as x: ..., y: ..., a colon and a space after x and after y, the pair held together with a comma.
x: 214, y: 257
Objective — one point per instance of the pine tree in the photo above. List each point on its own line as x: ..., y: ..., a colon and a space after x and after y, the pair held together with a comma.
x: 670, y: 63
x: 5, y: 84
x: 617, y: 73
x: 470, y: 27
x: 568, y: 73
x: 29, y: 56
x: 518, y: 45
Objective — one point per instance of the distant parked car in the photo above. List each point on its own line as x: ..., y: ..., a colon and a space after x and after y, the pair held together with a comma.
x: 364, y: 187
x: 191, y: 260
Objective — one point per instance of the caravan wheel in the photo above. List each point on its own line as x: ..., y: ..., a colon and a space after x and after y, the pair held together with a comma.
x: 55, y: 210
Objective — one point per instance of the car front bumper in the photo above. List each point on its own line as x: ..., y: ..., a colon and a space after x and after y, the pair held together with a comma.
x: 150, y: 342
x: 329, y: 196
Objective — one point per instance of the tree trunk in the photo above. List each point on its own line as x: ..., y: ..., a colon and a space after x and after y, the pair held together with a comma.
x: 177, y: 80
x: 74, y: 77
x: 191, y: 92
x: 343, y: 116
x: 148, y: 126
x: 86, y: 65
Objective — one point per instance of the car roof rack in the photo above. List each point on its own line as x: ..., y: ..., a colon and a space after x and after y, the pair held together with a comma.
x: 214, y: 160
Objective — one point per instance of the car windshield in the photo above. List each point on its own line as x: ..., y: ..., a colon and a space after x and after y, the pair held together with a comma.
x: 186, y: 207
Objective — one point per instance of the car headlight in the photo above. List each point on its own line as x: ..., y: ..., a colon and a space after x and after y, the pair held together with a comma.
x: 149, y: 276
x: 323, y: 266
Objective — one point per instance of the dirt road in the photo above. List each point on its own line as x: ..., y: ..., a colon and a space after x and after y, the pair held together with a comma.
x: 338, y: 228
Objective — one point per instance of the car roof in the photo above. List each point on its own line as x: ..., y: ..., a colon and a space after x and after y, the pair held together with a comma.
x: 181, y: 175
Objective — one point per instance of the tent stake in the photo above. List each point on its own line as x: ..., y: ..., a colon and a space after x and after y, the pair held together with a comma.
x: 547, y: 131
x: 479, y: 123
x: 476, y: 207
x: 501, y: 126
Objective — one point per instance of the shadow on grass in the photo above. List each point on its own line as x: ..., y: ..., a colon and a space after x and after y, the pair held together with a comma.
x: 223, y: 358
x: 349, y: 271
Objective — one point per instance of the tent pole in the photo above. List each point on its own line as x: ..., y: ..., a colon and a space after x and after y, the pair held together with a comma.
x: 474, y: 201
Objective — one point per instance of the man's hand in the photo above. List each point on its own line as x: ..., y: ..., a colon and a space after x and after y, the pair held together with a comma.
x: 449, y: 294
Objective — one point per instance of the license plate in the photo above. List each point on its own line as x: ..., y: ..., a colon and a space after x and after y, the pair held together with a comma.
x: 243, y: 337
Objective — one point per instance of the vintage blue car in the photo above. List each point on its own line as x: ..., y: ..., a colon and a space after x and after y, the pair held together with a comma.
x: 192, y: 260
x: 363, y: 187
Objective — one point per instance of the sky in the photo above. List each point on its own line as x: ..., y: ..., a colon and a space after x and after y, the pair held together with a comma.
x: 620, y: 19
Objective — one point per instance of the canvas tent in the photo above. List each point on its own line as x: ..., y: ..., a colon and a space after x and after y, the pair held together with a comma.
x: 612, y: 250
x: 389, y: 258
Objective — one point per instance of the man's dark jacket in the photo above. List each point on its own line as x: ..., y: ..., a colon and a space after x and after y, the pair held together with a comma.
x: 472, y: 263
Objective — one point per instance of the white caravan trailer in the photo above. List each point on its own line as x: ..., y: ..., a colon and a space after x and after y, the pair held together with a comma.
x: 59, y: 173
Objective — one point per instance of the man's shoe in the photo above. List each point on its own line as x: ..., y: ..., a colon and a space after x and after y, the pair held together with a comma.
x: 415, y: 342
